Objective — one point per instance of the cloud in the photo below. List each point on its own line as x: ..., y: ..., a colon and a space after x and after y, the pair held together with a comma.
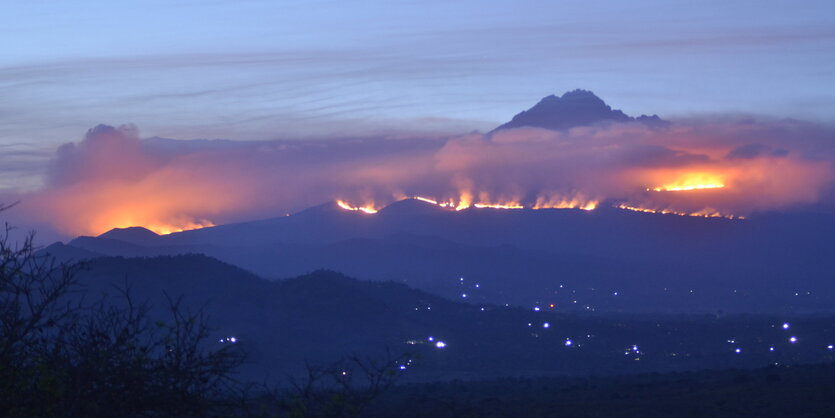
x: 112, y: 178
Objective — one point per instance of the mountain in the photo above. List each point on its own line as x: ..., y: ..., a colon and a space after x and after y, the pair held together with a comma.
x: 575, y: 108
x: 322, y: 316
x: 602, y: 260
x: 134, y: 235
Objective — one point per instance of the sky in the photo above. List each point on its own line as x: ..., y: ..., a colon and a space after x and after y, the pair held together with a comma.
x: 313, y: 70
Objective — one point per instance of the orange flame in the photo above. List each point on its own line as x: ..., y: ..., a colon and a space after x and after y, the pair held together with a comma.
x: 512, y: 205
x: 692, y: 181
x: 558, y: 202
x: 368, y: 208
x: 465, y: 201
x: 165, y: 229
x: 704, y: 213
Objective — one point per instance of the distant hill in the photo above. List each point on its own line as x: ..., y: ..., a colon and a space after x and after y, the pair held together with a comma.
x: 321, y: 316
x: 768, y: 263
x: 132, y: 235
x: 572, y: 109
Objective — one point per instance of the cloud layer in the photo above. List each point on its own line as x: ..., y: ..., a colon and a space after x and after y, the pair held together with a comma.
x: 112, y: 178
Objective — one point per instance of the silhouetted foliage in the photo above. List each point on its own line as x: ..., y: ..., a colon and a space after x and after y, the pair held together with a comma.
x: 61, y: 355
x: 344, y: 389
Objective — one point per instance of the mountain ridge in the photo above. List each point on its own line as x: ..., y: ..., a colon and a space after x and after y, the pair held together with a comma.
x: 573, y: 109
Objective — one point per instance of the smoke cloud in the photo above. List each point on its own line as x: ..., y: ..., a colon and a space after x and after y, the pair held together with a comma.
x: 112, y: 178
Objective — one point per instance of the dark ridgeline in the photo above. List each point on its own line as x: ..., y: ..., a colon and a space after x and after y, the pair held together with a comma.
x: 769, y: 263
x: 575, y: 108
x: 324, y: 315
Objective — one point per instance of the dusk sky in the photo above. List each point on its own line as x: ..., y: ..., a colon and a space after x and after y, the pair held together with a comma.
x: 409, y: 208
x: 268, y: 70
x: 285, y: 69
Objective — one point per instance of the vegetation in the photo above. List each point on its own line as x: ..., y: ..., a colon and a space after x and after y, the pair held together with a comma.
x: 63, y: 355
x: 775, y: 391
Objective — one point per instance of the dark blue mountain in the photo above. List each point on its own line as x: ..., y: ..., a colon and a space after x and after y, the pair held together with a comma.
x: 575, y: 108
x: 322, y: 316
x: 767, y: 263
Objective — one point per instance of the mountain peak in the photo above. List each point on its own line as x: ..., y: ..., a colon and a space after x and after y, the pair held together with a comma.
x: 410, y: 207
x: 133, y: 235
x: 574, y: 108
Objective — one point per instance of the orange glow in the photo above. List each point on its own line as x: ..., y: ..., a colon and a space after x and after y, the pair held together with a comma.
x: 163, y: 229
x: 692, y: 181
x: 499, y: 205
x: 484, y: 202
x: 557, y: 202
x: 464, y: 201
x: 427, y: 200
x: 368, y: 208
x: 704, y: 213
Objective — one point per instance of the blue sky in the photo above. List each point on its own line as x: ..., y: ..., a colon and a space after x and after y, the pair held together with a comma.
x: 295, y: 70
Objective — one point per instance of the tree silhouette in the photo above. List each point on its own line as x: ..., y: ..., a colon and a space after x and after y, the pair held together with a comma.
x: 63, y: 356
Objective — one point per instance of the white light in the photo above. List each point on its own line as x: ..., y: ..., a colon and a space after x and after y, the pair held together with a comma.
x: 568, y: 342
x: 793, y: 339
x: 476, y: 286
x: 482, y: 309
x: 463, y: 295
x: 233, y: 339
x: 431, y: 338
x: 770, y: 348
x: 402, y: 367
x: 546, y: 325
x: 634, y: 348
x: 829, y: 347
x: 536, y: 308
x: 785, y: 325
x: 440, y: 344
x: 616, y: 293
x: 738, y: 350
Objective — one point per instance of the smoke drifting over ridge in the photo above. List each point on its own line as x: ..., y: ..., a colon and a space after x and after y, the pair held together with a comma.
x: 112, y: 178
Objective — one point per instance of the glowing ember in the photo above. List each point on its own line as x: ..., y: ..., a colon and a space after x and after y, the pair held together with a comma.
x: 170, y: 229
x: 565, y: 204
x: 704, y: 213
x: 465, y: 201
x: 692, y: 181
x: 425, y: 199
x: 683, y: 188
x: 369, y: 208
x: 551, y: 202
x: 499, y: 205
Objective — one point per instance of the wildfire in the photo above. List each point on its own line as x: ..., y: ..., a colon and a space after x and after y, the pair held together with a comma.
x: 465, y: 202
x: 577, y: 202
x: 692, y: 181
x: 368, y: 208
x: 164, y: 229
x: 704, y: 213
x: 499, y: 205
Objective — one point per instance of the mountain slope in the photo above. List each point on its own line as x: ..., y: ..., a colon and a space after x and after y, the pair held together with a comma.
x: 574, y: 108
x: 521, y: 256
x: 322, y: 316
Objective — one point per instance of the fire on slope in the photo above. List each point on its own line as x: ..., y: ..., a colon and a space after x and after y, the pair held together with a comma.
x: 465, y: 200
x: 367, y: 208
x: 704, y: 213
x: 697, y: 182
x: 691, y: 181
